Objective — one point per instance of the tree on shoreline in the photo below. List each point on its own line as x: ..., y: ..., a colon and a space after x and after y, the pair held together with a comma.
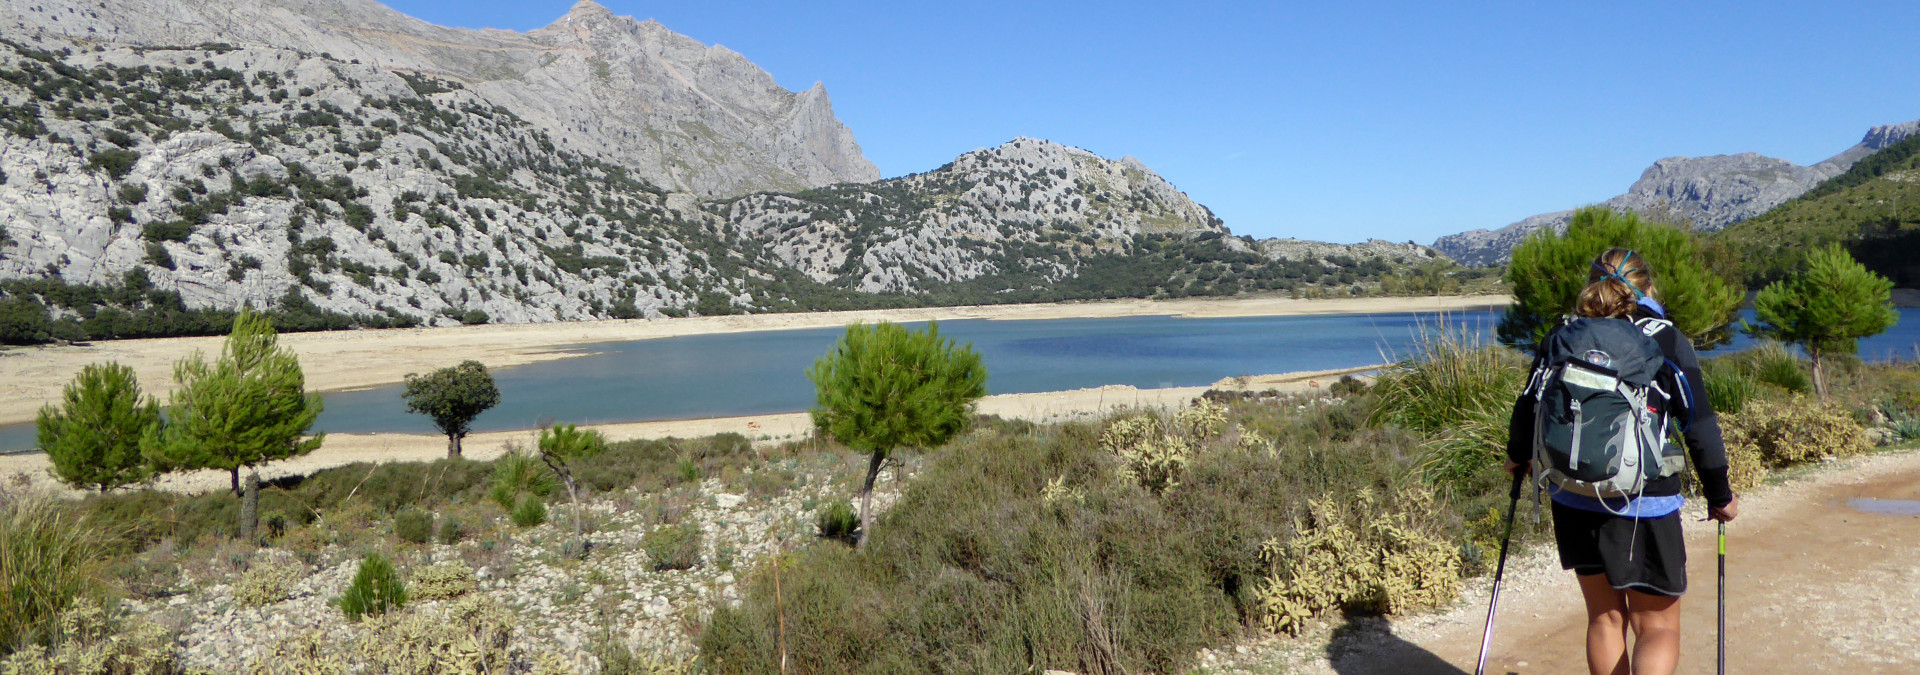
x: 884, y: 387
x: 1826, y: 309
x: 93, y: 438
x: 247, y: 408
x: 452, y: 396
x: 1550, y: 268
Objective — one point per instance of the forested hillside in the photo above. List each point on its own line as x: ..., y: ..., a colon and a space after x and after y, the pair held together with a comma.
x: 1874, y: 208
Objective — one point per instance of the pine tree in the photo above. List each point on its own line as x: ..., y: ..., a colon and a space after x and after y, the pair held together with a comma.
x: 884, y: 387
x: 93, y: 438
x: 452, y: 396
x: 1827, y: 308
x: 247, y: 408
x: 1550, y: 268
x: 559, y: 446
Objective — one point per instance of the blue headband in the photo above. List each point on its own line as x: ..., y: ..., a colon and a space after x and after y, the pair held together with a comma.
x: 1617, y: 274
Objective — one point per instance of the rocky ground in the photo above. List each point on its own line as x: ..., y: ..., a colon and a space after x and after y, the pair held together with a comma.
x: 562, y: 606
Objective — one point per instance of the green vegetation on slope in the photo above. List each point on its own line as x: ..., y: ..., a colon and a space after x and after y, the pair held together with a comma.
x: 1873, y: 209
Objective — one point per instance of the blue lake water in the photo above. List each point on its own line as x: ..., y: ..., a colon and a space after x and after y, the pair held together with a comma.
x: 764, y: 372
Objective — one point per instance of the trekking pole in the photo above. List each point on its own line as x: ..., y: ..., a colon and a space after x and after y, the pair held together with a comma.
x: 1723, y: 599
x: 1486, y: 638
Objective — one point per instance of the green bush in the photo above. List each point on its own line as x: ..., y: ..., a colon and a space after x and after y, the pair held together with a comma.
x: 413, y: 526
x: 673, y: 547
x: 531, y: 511
x: 838, y: 521
x: 1728, y: 392
x: 376, y: 590
x: 49, y: 558
x: 451, y: 532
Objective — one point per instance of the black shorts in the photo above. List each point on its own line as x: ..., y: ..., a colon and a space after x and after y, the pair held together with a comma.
x: 1648, y: 555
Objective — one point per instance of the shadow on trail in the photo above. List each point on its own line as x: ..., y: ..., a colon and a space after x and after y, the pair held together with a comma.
x: 1366, y: 645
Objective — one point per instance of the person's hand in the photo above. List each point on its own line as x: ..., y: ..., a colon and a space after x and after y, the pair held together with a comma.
x: 1514, y: 468
x: 1726, y: 513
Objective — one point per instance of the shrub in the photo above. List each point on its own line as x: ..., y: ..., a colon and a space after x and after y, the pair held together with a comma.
x: 89, y: 639
x: 451, y: 531
x: 442, y: 582
x: 48, y: 559
x: 473, y: 637
x: 673, y: 547
x: 1362, y: 557
x: 116, y: 162
x: 1148, y: 455
x: 376, y: 590
x: 1797, y: 431
x: 838, y: 521
x: 267, y: 581
x: 413, y: 526
x: 93, y: 438
x: 530, y: 512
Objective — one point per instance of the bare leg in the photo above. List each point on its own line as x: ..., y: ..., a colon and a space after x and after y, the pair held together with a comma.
x: 1656, y: 632
x: 1606, y: 626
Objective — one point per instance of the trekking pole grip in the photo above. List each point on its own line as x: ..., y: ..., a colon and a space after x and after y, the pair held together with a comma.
x: 1513, y: 493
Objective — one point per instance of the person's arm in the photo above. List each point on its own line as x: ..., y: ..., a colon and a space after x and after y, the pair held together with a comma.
x: 1702, y: 432
x: 1520, y: 428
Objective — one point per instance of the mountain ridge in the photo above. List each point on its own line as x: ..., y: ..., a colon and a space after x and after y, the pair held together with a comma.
x: 1709, y: 193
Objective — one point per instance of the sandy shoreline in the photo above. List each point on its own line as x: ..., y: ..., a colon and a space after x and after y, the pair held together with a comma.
x: 342, y: 449
x: 345, y: 360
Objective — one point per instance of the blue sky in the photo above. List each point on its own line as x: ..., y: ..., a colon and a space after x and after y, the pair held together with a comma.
x: 1334, y: 121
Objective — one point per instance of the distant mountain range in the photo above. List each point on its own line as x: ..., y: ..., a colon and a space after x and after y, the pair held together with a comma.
x: 339, y: 159
x: 1708, y: 192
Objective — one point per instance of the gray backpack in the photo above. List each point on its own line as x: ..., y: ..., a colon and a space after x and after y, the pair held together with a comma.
x: 1602, y: 413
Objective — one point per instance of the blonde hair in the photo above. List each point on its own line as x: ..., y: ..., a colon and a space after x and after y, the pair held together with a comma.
x: 1608, y: 293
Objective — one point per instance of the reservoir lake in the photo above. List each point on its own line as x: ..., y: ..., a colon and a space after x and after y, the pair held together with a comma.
x: 725, y: 375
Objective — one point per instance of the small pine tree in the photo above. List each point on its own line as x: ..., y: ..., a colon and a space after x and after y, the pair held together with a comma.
x: 452, y: 396
x: 561, y: 444
x: 93, y: 438
x: 1550, y: 268
x: 1827, y: 309
x: 247, y: 408
x: 884, y: 387
x: 376, y: 589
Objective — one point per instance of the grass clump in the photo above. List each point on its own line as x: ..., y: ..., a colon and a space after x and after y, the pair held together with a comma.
x: 530, y: 512
x: 413, y: 526
x: 376, y: 590
x: 451, y: 531
x: 837, y: 521
x: 49, y: 558
x: 515, y: 474
x: 1458, y: 393
x: 673, y: 547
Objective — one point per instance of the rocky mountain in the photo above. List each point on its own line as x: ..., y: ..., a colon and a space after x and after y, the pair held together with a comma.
x: 161, y: 180
x: 1708, y: 192
x: 674, y: 112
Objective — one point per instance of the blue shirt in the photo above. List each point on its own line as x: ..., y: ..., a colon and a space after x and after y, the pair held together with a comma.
x: 1644, y: 506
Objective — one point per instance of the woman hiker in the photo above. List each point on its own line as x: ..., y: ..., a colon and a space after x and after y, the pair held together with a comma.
x: 1632, y: 562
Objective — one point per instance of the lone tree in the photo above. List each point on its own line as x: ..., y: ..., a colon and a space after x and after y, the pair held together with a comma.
x: 93, y: 438
x: 452, y: 396
x: 1827, y: 309
x: 559, y: 446
x: 1550, y: 268
x: 247, y: 408
x: 884, y: 387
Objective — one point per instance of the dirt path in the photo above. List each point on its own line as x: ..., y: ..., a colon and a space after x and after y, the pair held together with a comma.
x: 1816, y: 582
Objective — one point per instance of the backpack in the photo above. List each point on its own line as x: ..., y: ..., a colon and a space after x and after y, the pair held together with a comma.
x: 1602, y: 410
